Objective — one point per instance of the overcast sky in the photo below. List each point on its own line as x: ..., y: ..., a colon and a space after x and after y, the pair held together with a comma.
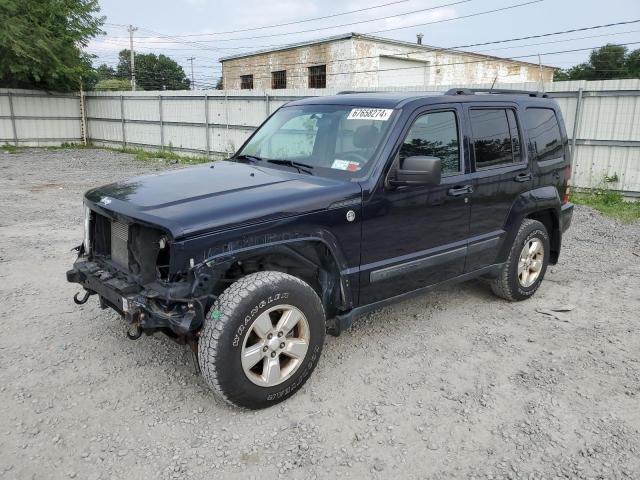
x: 213, y: 22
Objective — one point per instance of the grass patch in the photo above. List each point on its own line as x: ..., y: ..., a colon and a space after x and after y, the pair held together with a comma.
x: 7, y: 148
x: 142, y: 154
x: 148, y: 155
x: 610, y: 204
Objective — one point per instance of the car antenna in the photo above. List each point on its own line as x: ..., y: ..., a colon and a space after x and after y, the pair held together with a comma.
x: 492, y: 85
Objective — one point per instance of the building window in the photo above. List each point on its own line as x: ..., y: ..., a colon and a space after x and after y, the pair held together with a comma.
x: 318, y: 76
x: 513, y: 70
x: 246, y: 82
x: 279, y: 79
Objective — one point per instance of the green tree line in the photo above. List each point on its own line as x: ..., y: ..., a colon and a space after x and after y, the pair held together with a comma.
x: 605, y: 63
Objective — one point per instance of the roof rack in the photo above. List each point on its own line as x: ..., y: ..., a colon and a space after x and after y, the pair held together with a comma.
x: 473, y: 91
x: 348, y: 92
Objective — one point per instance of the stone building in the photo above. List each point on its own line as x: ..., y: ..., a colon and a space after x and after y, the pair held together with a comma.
x: 356, y: 61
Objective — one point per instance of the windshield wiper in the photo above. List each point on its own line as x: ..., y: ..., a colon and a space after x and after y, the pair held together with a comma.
x: 301, y: 167
x: 251, y: 158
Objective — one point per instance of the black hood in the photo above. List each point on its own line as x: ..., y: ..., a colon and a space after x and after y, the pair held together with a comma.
x: 219, y: 196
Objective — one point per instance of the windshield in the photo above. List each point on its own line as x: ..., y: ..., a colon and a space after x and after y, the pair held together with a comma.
x: 330, y: 140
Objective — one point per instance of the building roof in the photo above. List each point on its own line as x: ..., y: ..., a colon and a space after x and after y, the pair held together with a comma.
x: 347, y: 36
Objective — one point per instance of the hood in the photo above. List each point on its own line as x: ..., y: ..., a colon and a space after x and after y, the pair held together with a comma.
x: 219, y: 196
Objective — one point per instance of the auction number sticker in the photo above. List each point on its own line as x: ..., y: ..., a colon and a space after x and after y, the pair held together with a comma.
x: 370, y: 114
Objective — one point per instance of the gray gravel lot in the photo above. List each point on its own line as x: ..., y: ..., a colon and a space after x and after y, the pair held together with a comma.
x: 452, y: 384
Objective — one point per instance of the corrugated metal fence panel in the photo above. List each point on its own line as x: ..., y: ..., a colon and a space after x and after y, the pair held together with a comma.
x: 103, y: 107
x: 40, y: 118
x: 610, y: 113
x: 595, y: 162
x: 141, y: 109
x: 104, y: 130
x: 183, y: 110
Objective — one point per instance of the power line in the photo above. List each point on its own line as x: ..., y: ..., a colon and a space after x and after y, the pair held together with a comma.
x: 606, y: 25
x: 421, y: 10
x: 430, y: 49
x: 476, y: 14
x: 293, y: 23
x: 559, y: 41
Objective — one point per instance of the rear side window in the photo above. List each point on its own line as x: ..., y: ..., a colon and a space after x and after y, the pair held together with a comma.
x: 543, y: 130
x: 434, y: 135
x: 496, y: 139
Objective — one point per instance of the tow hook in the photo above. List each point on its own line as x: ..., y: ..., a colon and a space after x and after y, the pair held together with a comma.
x: 135, y: 332
x: 82, y: 300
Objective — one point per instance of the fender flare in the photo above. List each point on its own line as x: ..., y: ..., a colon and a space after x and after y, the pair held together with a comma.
x: 528, y: 203
x: 291, y: 240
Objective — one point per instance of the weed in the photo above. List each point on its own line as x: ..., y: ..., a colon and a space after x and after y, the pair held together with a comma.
x: 609, y: 203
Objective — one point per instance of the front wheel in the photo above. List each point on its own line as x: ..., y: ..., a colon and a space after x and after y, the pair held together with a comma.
x: 262, y: 339
x: 526, y: 265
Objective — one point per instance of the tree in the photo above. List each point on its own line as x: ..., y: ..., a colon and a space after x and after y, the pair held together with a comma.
x: 41, y: 43
x: 610, y: 61
x: 153, y: 72
x: 105, y: 72
x: 220, y: 84
x: 633, y: 64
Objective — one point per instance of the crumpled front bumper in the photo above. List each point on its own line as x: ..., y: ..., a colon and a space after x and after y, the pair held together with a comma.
x: 146, y: 308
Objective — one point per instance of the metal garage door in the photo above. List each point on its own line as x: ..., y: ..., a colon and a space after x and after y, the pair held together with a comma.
x: 399, y: 72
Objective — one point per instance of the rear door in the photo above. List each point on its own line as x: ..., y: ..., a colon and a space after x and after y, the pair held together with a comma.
x: 501, y: 173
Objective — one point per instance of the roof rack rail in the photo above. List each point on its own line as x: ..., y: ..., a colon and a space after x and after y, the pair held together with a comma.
x: 473, y: 91
x: 347, y: 92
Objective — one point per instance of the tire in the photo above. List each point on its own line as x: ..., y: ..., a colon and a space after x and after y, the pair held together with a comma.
x: 509, y: 282
x: 238, y: 324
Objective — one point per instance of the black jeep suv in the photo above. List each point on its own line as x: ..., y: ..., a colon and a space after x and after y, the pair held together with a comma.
x: 335, y: 206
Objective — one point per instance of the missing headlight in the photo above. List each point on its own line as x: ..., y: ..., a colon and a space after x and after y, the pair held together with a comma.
x: 163, y: 259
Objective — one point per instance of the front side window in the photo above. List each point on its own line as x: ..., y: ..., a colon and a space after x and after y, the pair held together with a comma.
x: 543, y: 130
x: 318, y: 76
x: 335, y: 140
x: 496, y: 140
x: 434, y: 135
x: 246, y: 82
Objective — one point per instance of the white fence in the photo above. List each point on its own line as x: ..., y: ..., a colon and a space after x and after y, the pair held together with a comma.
x: 605, y: 137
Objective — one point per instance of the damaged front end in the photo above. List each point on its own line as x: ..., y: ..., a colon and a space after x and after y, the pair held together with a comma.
x: 129, y: 266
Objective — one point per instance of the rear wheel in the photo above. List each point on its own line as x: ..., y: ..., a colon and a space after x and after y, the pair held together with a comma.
x: 262, y: 339
x: 526, y: 265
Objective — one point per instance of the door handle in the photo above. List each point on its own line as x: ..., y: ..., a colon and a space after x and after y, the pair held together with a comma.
x: 523, y: 177
x: 457, y: 191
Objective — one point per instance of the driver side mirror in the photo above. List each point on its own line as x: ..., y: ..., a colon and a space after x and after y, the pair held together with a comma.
x: 418, y: 170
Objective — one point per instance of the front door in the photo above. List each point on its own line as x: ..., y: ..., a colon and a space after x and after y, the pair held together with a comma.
x: 414, y: 236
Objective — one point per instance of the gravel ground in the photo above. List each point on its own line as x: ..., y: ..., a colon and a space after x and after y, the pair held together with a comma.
x: 453, y: 384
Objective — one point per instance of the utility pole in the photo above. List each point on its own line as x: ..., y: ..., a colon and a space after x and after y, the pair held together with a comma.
x: 540, y: 73
x: 133, y: 63
x: 193, y: 82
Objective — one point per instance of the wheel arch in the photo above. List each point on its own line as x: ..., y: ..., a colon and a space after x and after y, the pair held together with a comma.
x: 315, y: 260
x: 541, y: 204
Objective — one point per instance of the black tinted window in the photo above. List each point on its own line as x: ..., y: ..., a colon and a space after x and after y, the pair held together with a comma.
x: 545, y: 139
x: 434, y: 135
x: 495, y: 137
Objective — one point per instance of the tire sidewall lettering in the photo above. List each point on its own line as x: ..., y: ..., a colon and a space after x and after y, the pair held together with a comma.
x: 299, y: 380
x: 255, y: 310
